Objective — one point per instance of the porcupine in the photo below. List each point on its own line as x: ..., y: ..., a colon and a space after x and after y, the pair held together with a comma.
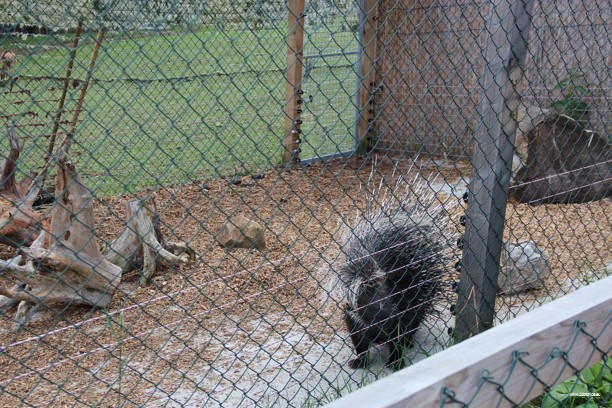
x: 396, y: 256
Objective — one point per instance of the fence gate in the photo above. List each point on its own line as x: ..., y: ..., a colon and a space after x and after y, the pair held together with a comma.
x: 331, y: 41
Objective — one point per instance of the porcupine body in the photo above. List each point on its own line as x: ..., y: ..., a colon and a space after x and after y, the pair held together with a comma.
x: 396, y: 258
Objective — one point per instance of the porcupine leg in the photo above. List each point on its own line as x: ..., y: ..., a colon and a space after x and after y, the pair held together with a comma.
x: 401, y: 342
x: 360, y: 341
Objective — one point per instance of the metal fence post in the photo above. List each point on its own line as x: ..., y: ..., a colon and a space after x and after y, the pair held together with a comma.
x: 494, y: 145
x: 367, y: 55
x: 295, y: 63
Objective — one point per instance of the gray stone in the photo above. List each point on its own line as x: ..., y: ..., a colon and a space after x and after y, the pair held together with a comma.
x: 523, y: 266
x: 242, y: 232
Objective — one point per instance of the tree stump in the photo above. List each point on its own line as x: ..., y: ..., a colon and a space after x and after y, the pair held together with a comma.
x: 140, y: 245
x: 19, y: 222
x: 566, y: 163
x: 65, y: 265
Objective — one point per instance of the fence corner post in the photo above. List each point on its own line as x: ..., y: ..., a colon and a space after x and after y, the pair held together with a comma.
x: 505, y: 54
x: 293, y: 76
x: 367, y: 57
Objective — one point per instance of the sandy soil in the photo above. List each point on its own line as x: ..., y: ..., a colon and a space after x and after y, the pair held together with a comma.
x: 244, y: 327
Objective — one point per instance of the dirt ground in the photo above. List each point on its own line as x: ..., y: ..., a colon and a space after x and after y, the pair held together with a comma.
x: 244, y: 327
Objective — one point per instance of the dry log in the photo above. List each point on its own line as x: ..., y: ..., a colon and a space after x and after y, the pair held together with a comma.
x: 25, y: 310
x: 9, y: 60
x: 566, y: 163
x: 140, y: 245
x: 64, y: 265
x: 7, y: 302
x: 19, y: 222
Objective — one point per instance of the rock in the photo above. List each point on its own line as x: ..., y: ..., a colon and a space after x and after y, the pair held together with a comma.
x: 524, y: 267
x: 242, y: 232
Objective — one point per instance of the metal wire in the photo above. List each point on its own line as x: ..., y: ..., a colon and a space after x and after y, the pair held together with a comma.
x: 187, y: 107
x: 584, y: 387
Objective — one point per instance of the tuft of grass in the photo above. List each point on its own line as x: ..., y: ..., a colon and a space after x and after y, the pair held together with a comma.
x: 340, y: 388
x: 118, y: 334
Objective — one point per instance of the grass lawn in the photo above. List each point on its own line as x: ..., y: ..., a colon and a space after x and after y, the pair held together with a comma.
x: 170, y: 107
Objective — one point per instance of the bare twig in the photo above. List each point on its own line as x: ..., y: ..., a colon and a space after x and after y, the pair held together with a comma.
x: 40, y: 178
x: 60, y: 109
x: 75, y: 118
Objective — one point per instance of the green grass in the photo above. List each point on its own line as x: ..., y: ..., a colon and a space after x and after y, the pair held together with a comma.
x: 592, y: 388
x: 171, y: 107
x: 118, y: 335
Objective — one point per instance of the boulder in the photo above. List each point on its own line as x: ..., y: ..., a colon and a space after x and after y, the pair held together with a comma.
x: 242, y: 232
x: 523, y: 266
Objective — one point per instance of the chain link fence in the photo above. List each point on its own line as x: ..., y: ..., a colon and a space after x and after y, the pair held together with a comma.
x: 589, y: 384
x: 187, y: 183
x: 557, y: 355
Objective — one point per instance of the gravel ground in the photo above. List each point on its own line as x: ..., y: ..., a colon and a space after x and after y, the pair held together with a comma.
x: 246, y: 328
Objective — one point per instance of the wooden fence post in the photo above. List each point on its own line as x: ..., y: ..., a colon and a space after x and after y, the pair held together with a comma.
x: 293, y: 99
x: 508, y: 30
x: 367, y: 73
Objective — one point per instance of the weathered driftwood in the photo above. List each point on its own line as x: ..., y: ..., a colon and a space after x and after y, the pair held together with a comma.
x: 19, y: 222
x: 65, y: 265
x: 141, y: 245
x: 566, y: 163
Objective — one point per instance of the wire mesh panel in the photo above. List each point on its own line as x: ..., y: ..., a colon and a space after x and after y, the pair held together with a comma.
x: 430, y: 95
x: 160, y: 89
x: 329, y: 128
x: 157, y: 247
x: 329, y: 78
